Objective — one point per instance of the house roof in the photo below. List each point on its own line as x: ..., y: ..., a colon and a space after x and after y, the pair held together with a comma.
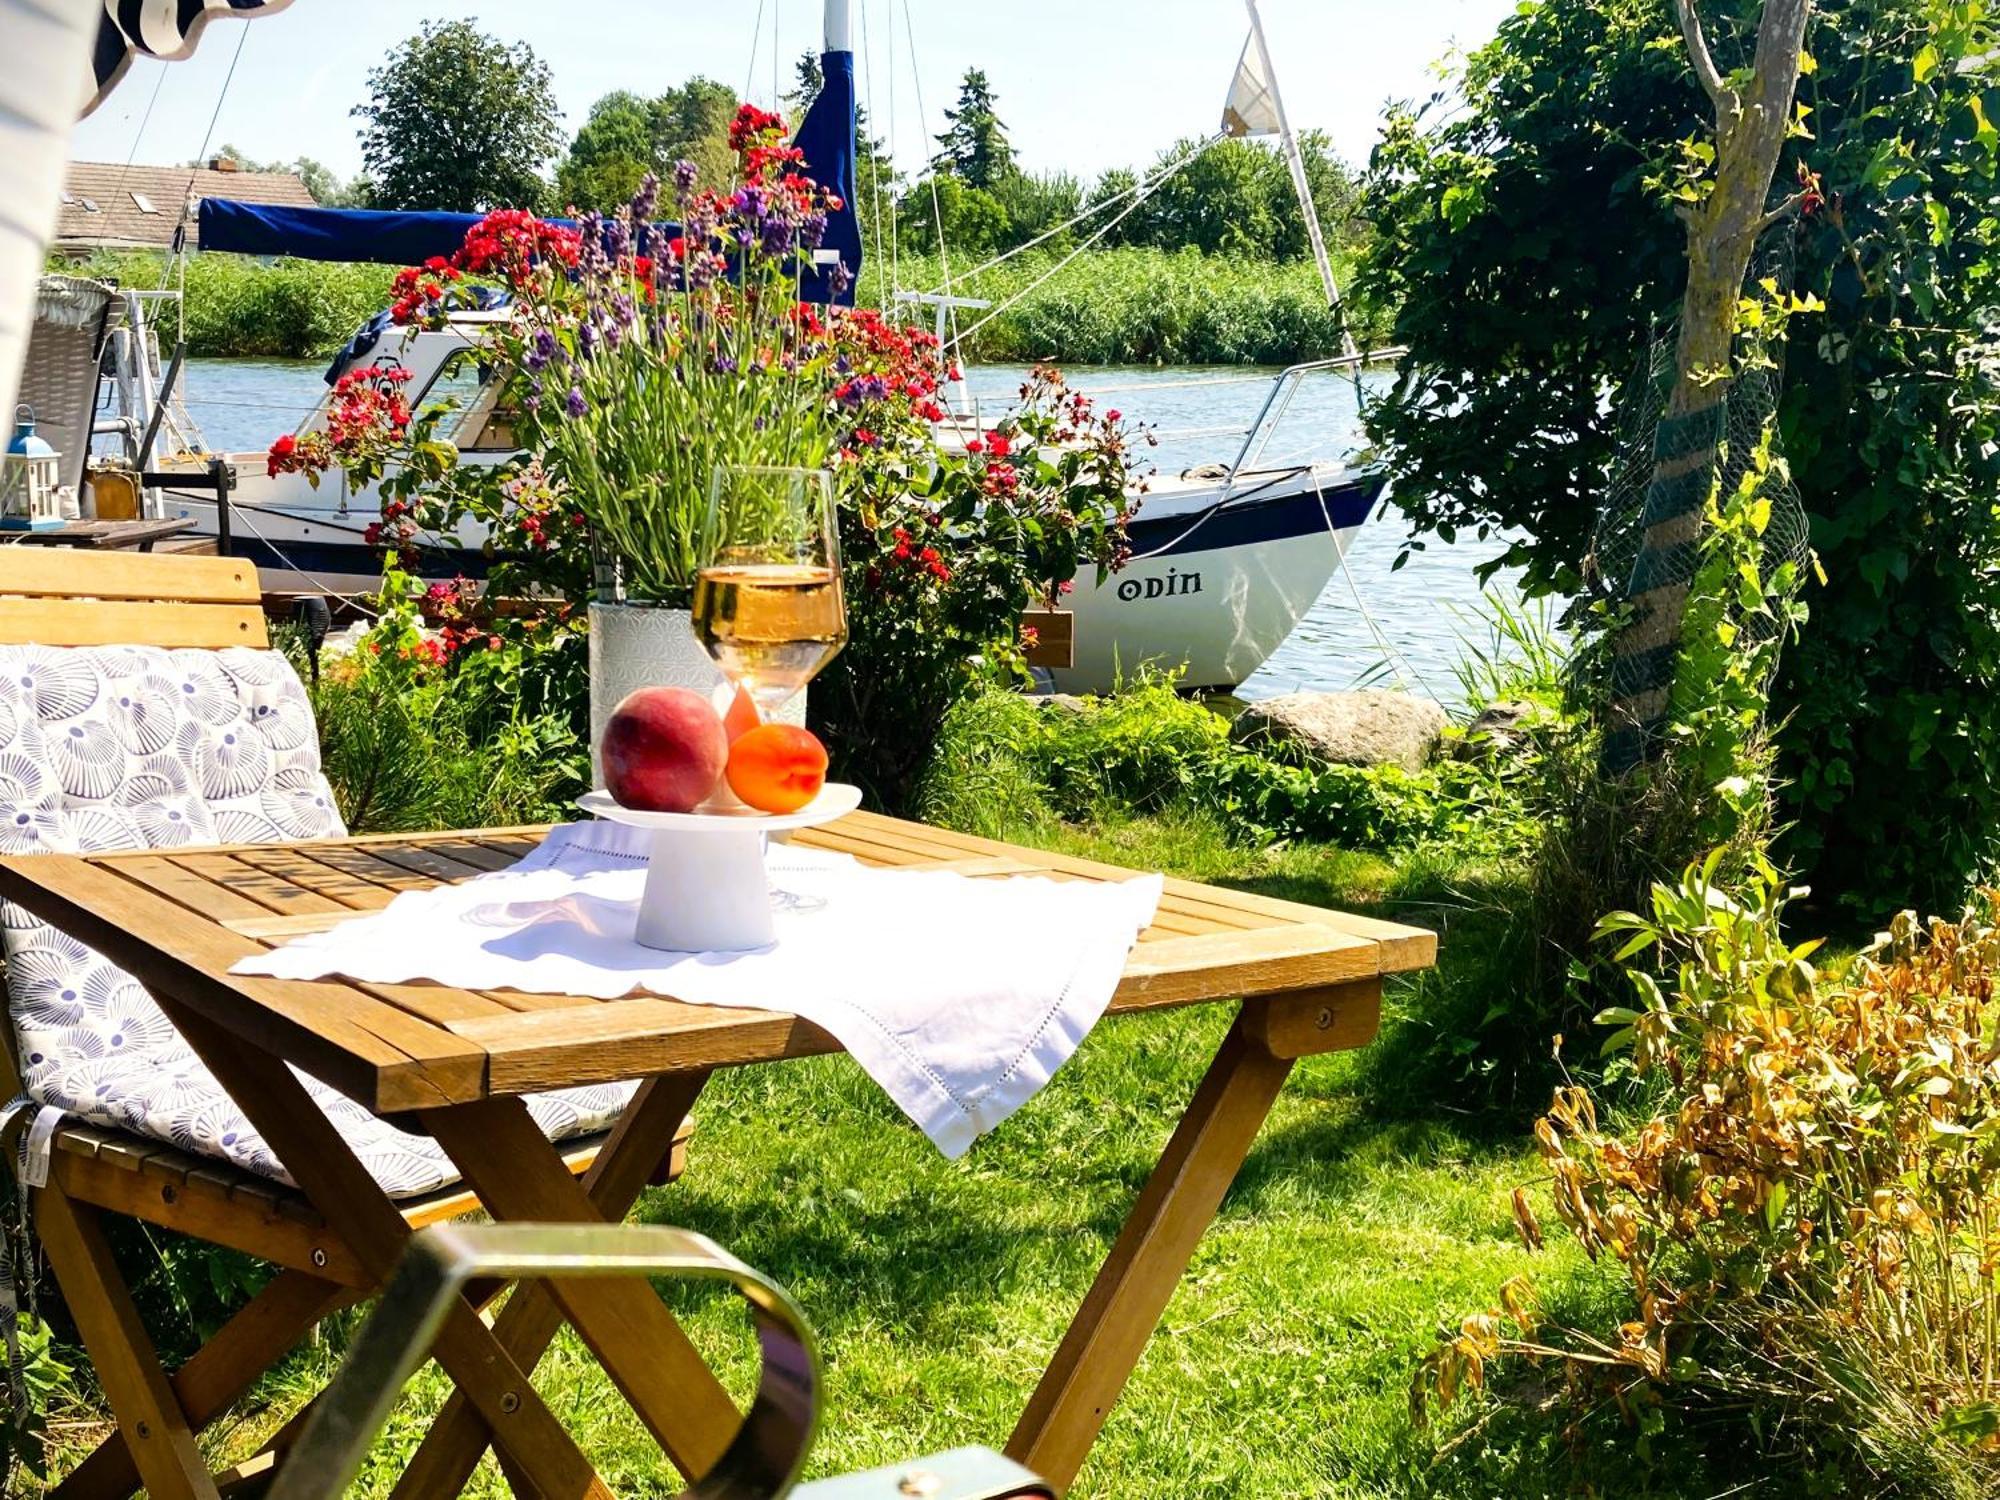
x: 106, y: 203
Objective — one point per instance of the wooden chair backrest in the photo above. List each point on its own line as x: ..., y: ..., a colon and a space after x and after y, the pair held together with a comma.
x: 58, y: 596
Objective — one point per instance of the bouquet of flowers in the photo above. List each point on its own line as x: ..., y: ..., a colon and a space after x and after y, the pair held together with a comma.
x: 637, y: 359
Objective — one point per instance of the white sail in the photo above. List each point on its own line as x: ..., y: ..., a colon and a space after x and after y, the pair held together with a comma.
x: 1252, y: 107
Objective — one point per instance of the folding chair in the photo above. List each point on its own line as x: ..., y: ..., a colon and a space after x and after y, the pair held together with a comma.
x: 142, y: 707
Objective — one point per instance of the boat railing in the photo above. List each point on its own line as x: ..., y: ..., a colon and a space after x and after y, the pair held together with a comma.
x: 1257, y: 437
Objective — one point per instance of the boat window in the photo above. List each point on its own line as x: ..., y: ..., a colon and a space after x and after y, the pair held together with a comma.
x: 464, y: 383
x: 90, y: 206
x: 68, y: 200
x: 145, y: 203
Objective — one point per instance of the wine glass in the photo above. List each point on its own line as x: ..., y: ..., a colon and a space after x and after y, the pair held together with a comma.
x: 768, y: 605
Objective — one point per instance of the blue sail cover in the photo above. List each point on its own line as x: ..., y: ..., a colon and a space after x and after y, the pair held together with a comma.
x: 407, y: 239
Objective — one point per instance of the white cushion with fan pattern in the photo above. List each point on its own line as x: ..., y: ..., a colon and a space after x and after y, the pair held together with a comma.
x: 139, y: 747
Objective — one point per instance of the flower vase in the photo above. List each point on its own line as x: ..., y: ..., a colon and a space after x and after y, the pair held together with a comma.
x: 649, y: 645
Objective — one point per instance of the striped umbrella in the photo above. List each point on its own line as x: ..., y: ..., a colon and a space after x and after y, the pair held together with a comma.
x: 166, y: 29
x: 91, y: 42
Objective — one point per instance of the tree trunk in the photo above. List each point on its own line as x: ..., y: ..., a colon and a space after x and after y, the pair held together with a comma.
x: 1722, y: 233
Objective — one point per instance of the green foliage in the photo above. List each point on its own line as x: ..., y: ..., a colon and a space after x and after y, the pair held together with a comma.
x: 240, y: 307
x: 489, y: 738
x: 974, y: 146
x: 1004, y: 759
x: 1528, y: 248
x: 973, y: 222
x: 1139, y: 306
x: 457, y: 119
x: 627, y: 136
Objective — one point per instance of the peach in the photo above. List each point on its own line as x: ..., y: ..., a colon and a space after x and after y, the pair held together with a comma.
x: 664, y: 750
x: 777, y: 768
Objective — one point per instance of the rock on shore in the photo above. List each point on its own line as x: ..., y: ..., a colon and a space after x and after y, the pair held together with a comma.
x: 1355, y: 729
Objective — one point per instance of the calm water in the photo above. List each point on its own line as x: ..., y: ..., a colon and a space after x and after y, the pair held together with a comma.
x: 1422, y: 615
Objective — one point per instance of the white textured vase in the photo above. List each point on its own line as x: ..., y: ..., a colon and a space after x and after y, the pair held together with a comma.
x: 641, y: 645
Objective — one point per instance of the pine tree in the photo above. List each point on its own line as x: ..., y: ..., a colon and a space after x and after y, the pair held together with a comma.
x: 976, y: 149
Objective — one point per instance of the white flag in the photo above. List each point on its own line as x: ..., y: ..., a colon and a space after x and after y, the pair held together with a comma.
x: 1253, y: 104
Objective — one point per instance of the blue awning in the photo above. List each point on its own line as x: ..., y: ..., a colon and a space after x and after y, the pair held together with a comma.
x: 407, y: 239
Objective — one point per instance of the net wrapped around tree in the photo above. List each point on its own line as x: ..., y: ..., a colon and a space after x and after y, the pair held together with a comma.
x: 1650, y: 532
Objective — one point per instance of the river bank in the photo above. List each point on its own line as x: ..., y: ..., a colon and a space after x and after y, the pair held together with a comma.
x: 1129, y: 305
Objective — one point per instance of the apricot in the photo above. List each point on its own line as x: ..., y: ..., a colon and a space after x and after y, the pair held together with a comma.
x: 741, y: 716
x: 777, y: 768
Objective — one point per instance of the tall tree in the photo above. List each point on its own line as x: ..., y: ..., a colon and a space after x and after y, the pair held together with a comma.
x: 975, y: 147
x: 627, y: 136
x: 1526, y: 244
x: 457, y: 119
x: 1725, y: 213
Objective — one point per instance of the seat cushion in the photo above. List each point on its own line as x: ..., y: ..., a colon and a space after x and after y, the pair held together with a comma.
x: 139, y: 747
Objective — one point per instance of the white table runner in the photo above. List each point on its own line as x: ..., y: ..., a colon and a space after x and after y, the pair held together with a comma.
x: 959, y: 996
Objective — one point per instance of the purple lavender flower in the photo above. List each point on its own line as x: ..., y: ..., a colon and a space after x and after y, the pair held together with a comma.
x: 812, y: 229
x: 647, y: 198
x: 724, y: 364
x: 586, y: 339
x: 574, y: 404
x: 777, y: 236
x: 840, y: 278
x: 590, y: 257
x: 543, y: 351
x: 685, y: 174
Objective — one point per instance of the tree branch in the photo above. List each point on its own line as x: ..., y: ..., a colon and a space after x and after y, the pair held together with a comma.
x: 1703, y: 60
x: 1781, y: 213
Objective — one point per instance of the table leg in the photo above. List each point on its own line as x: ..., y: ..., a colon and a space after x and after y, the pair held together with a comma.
x: 528, y: 1323
x: 518, y: 1175
x: 1179, y: 1201
x: 357, y: 1209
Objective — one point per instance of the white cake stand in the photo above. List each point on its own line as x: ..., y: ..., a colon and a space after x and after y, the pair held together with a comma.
x: 706, y: 891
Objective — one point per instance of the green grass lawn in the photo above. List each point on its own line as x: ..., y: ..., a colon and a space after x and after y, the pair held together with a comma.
x: 1372, y: 1212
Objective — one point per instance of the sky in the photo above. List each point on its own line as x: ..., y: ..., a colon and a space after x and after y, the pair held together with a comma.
x: 1082, y: 85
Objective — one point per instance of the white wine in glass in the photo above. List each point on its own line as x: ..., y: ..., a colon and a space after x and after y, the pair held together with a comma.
x: 767, y: 600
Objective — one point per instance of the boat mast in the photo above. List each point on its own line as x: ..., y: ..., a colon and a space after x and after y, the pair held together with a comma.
x: 838, y: 36
x: 1297, y: 163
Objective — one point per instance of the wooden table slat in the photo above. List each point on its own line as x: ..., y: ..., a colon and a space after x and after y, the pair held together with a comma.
x: 382, y: 1041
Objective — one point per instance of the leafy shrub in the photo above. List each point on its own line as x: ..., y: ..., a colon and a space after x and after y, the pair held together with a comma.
x: 417, y: 737
x: 1139, y: 305
x: 1004, y: 760
x: 1808, y: 1217
x: 237, y: 306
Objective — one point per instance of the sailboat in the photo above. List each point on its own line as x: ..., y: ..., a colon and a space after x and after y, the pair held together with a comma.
x: 1227, y: 557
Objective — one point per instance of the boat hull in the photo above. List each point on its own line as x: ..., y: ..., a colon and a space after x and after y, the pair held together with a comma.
x: 1211, y: 601
x: 1219, y: 577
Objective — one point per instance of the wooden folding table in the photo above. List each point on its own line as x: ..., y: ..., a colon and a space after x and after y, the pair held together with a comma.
x: 455, y: 1063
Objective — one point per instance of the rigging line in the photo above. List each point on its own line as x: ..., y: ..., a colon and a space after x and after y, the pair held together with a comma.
x: 1398, y: 663
x: 875, y: 175
x: 937, y: 204
x: 139, y: 135
x: 1090, y: 211
x: 756, y: 33
x: 959, y: 340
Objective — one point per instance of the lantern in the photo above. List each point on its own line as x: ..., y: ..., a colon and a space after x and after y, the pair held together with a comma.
x: 30, y: 498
